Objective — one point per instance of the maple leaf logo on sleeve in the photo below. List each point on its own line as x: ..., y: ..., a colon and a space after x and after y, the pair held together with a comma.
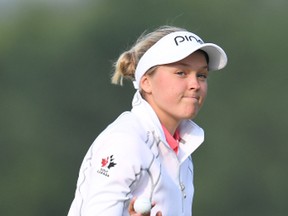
x: 108, y: 162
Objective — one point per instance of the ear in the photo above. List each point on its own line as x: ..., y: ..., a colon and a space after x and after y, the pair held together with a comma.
x: 146, y: 84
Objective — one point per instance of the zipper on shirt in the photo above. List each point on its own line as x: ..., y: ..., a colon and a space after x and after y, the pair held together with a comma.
x: 182, y: 186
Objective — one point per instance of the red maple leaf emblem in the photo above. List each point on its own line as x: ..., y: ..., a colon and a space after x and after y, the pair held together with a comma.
x: 105, y: 161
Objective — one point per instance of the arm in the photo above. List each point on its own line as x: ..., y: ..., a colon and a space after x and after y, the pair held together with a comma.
x: 106, y: 176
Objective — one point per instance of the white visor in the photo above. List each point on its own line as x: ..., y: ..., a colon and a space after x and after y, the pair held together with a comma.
x: 175, y: 47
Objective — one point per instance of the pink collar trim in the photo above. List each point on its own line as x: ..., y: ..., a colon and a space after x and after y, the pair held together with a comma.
x: 173, y: 141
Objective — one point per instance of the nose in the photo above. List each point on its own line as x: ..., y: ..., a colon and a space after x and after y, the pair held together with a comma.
x: 194, y: 82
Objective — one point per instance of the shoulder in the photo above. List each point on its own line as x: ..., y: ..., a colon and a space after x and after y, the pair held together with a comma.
x: 127, y: 119
x: 123, y: 145
x: 127, y: 126
x: 123, y: 136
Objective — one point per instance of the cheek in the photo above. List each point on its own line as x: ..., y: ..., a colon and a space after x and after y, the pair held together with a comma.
x: 165, y: 94
x: 161, y: 85
x: 205, y: 91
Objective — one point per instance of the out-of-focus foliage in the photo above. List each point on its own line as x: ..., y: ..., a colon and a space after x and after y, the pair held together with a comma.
x: 55, y: 64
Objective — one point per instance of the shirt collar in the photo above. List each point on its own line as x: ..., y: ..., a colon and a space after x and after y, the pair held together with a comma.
x: 173, y: 141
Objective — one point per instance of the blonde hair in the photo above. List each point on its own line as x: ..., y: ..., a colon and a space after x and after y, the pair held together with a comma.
x: 126, y: 64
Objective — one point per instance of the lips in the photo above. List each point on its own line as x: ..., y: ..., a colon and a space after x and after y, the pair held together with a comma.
x: 193, y: 97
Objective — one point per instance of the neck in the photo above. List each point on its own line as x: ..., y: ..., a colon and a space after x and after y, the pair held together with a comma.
x: 170, y: 126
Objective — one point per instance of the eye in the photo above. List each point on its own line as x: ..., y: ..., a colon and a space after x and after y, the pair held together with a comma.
x: 202, y: 76
x: 181, y: 73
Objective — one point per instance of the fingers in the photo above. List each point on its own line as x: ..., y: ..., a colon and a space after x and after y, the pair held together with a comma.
x: 131, y: 206
x: 159, y: 213
x: 131, y: 209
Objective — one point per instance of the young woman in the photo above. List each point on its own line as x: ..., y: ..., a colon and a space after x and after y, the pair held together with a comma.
x: 146, y: 152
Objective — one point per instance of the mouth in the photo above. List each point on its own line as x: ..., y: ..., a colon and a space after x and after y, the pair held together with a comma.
x: 195, y: 97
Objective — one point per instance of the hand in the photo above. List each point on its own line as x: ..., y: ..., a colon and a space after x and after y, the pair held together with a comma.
x: 132, y: 211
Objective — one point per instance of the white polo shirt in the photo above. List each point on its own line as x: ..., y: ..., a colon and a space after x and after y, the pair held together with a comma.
x: 131, y: 157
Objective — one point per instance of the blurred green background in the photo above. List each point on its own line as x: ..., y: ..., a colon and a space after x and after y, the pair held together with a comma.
x: 55, y: 66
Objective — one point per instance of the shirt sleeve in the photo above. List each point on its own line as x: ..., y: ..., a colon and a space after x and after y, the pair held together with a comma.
x: 107, y: 173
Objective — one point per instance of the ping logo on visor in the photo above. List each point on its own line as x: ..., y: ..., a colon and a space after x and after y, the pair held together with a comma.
x: 180, y: 39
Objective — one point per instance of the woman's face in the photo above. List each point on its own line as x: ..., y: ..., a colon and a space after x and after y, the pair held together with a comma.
x: 177, y: 91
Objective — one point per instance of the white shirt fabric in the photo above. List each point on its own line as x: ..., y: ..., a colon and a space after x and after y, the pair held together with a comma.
x: 131, y: 157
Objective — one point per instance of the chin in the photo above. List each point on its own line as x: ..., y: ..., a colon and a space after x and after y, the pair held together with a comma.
x: 191, y: 116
